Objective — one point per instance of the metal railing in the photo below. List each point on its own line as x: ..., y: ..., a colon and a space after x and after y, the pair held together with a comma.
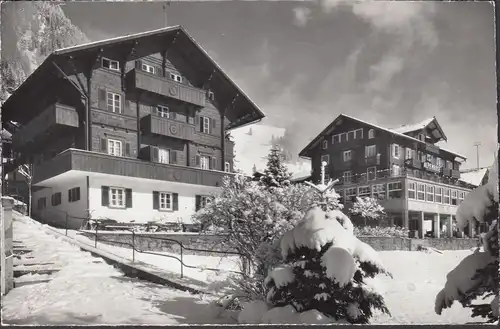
x: 97, y: 228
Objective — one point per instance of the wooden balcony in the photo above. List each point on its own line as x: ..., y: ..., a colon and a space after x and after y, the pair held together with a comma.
x: 431, y: 167
x: 55, y: 120
x: 455, y: 173
x: 370, y: 161
x: 413, y: 163
x: 93, y: 162
x: 153, y: 124
x: 137, y: 79
x: 446, y: 172
x: 431, y: 148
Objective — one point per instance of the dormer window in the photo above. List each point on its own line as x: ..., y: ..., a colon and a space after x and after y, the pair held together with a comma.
x: 176, y: 77
x: 110, y: 64
x: 148, y: 68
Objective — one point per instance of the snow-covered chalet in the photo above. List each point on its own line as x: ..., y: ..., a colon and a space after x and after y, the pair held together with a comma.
x: 417, y: 182
x: 132, y: 128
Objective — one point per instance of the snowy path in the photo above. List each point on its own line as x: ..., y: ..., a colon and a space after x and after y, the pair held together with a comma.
x: 86, y: 290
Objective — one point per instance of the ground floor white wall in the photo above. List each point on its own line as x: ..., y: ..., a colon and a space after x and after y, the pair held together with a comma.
x: 75, y: 210
x: 142, y: 199
x: 141, y: 210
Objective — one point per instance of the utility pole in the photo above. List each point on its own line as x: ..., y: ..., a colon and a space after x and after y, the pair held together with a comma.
x: 165, y: 5
x: 477, y: 152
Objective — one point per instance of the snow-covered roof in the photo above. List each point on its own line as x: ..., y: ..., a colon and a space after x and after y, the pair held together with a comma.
x: 244, y: 110
x: 331, y: 125
x: 473, y: 176
x: 412, y: 127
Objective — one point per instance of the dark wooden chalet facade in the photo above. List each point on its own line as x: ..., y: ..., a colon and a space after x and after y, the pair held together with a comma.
x: 150, y: 105
x: 402, y: 167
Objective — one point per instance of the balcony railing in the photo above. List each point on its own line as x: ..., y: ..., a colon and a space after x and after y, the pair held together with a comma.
x: 403, y: 173
x: 137, y: 79
x: 55, y: 119
x: 370, y: 161
x: 413, y: 163
x: 153, y: 124
x: 79, y: 160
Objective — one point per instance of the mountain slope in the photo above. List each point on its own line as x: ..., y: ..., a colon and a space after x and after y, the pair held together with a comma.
x: 30, y: 32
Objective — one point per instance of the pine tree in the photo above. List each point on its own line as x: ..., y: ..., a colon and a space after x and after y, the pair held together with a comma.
x: 324, y: 269
x: 476, y: 277
x: 276, y: 173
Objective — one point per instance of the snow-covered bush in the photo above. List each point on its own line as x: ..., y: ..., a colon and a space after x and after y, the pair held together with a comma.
x: 389, y: 231
x: 324, y: 272
x: 368, y: 208
x: 253, y: 218
x: 477, y: 275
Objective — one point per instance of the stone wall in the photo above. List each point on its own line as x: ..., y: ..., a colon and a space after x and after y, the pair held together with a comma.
x: 160, y: 242
x: 6, y: 241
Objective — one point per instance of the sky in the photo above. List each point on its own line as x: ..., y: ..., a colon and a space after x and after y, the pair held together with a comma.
x: 303, y: 63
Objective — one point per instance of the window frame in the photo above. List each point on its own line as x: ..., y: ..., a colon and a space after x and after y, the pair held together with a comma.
x: 325, y: 144
x: 397, y: 189
x: 353, y: 132
x: 421, y: 192
x: 438, y: 193
x: 429, y: 193
x: 176, y: 77
x: 454, y: 196
x: 446, y: 195
x: 323, y: 159
x: 377, y: 193
x: 167, y: 197
x: 163, y: 111
x: 414, y: 190
x: 145, y: 68
x: 204, y: 159
x: 336, y: 142
x: 110, y: 62
x: 356, y: 133
x: 163, y: 151
x: 367, y: 151
x: 344, y: 153
x: 111, y: 149
x: 227, y: 166
x: 371, y: 133
x: 206, y: 125
x: 344, y: 177
x: 350, y: 197
x: 394, y: 148
x: 461, y: 197
x: 123, y: 199
x: 116, y: 104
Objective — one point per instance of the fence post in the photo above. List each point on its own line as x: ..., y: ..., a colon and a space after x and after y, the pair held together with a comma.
x: 182, y: 263
x: 133, y: 246
x: 96, y: 226
x: 66, y: 225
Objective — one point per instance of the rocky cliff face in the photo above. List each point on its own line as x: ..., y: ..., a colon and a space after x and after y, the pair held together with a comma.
x: 30, y: 32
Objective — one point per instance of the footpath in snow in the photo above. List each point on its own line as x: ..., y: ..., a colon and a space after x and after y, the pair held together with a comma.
x: 86, y: 290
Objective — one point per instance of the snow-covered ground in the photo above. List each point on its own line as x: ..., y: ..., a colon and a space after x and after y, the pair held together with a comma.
x: 86, y: 290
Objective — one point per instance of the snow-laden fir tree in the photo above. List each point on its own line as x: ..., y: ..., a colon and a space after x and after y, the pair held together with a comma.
x: 477, y: 275
x: 325, y: 269
x: 276, y: 173
x: 367, y: 208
